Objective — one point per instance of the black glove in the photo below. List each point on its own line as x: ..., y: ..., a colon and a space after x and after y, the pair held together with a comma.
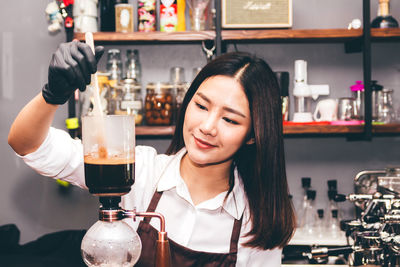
x: 70, y: 69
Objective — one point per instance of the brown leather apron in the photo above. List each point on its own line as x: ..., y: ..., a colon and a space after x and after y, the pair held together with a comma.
x: 180, y: 255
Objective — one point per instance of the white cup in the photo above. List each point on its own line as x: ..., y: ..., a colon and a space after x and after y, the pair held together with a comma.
x: 326, y: 110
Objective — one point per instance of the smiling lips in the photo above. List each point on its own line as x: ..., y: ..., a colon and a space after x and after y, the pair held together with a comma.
x: 202, y: 144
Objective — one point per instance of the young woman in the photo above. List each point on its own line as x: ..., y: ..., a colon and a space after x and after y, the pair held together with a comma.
x: 222, y: 183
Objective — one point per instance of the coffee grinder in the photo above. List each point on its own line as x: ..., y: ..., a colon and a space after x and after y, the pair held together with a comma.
x: 109, y: 159
x: 305, y: 93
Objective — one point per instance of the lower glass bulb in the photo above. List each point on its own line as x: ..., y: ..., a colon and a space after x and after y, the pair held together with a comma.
x: 111, y: 244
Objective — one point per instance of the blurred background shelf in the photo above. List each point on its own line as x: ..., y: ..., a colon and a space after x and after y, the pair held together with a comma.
x: 287, y: 35
x: 112, y: 37
x: 298, y: 130
x: 282, y: 35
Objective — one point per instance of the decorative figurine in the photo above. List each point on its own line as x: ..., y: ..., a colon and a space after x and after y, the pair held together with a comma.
x: 54, y: 17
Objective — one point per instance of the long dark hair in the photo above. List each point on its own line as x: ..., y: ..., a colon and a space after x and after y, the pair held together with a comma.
x: 261, y: 165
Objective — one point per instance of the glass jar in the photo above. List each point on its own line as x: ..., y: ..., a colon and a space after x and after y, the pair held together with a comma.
x: 132, y: 65
x: 181, y: 90
x: 158, y: 104
x: 131, y: 100
x: 114, y: 97
x: 385, y: 107
x: 114, y: 66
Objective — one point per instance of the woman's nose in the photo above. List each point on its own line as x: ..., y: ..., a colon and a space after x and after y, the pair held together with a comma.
x: 209, y: 125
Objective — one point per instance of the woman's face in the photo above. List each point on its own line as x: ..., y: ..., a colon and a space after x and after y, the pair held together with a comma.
x: 217, y: 121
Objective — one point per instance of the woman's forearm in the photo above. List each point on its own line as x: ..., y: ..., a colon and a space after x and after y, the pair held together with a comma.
x: 31, y: 126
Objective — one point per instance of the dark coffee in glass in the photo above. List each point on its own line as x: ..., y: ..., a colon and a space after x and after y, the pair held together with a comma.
x: 109, y: 154
x: 109, y: 177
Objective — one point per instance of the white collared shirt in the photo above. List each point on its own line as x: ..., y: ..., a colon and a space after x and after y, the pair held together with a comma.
x: 203, y: 227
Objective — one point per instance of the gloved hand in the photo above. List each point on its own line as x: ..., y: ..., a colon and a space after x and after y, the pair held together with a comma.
x: 70, y: 69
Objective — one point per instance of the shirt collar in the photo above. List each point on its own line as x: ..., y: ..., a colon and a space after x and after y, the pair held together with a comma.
x: 171, y: 176
x: 234, y: 204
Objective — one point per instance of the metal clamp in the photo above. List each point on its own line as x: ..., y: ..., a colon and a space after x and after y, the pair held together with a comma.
x: 209, y: 52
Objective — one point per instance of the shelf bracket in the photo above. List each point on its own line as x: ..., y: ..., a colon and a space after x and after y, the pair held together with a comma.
x: 208, y: 51
x: 353, y: 46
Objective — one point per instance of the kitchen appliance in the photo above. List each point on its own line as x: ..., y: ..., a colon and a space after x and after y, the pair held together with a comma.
x: 373, y: 237
x: 305, y: 93
x: 109, y: 159
x: 366, y: 181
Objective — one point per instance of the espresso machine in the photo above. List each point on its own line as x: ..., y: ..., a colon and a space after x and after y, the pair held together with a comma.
x: 109, y: 159
x: 374, y: 236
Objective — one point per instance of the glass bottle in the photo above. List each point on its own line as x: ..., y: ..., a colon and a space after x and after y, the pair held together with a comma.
x: 385, y: 107
x: 306, y: 185
x: 309, y: 217
x: 334, y: 225
x: 376, y: 90
x: 283, y: 81
x: 320, y: 225
x: 358, y: 94
x: 114, y: 66
x: 177, y: 80
x: 384, y: 19
x: 107, y: 15
x: 131, y: 102
x: 133, y: 67
x: 180, y: 95
x: 332, y: 204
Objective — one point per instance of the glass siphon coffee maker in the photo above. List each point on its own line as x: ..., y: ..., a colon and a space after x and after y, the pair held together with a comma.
x: 109, y: 162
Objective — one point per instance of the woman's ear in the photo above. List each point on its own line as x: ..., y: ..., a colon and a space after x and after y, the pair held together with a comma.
x: 250, y: 141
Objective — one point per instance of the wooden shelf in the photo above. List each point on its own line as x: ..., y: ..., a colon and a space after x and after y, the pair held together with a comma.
x: 149, y: 36
x: 297, y: 130
x: 154, y: 130
x: 322, y: 129
x: 384, y: 129
x: 393, y: 128
x: 292, y: 35
x: 284, y: 35
x: 385, y: 34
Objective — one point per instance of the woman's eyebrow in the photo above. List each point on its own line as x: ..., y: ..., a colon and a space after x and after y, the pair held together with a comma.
x: 229, y: 109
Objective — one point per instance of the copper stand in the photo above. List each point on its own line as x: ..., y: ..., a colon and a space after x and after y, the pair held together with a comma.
x: 163, y: 254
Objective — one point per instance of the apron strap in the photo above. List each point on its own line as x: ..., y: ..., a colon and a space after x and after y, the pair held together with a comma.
x: 237, y: 225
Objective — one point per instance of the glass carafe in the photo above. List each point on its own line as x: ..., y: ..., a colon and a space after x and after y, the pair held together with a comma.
x: 109, y: 154
x: 385, y: 107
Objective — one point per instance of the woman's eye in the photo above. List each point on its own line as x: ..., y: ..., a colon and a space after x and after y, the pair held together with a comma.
x: 201, y: 106
x: 230, y: 121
